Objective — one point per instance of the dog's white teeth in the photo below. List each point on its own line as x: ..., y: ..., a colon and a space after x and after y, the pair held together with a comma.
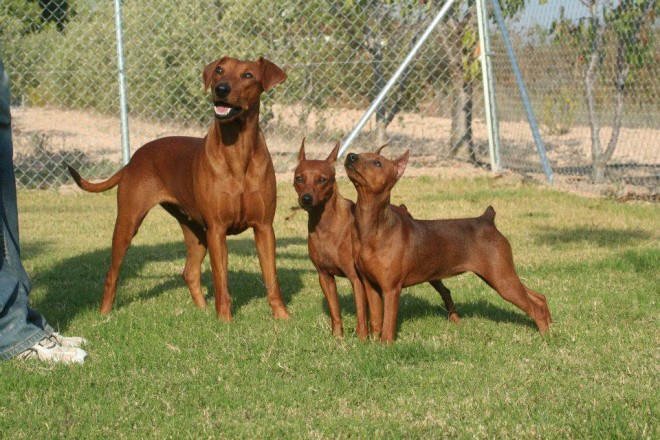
x: 222, y: 111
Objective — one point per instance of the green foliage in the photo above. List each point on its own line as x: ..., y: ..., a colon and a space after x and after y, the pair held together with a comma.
x: 512, y: 7
x: 471, y: 65
x: 626, y: 20
x: 166, y: 46
x: 627, y: 23
x: 559, y: 107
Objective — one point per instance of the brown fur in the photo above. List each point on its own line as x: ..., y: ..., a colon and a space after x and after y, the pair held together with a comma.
x: 329, y: 240
x: 393, y: 251
x: 214, y: 186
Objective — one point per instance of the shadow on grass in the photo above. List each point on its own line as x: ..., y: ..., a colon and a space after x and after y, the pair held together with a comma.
x: 412, y: 307
x: 75, y: 285
x: 604, y: 237
x: 493, y: 312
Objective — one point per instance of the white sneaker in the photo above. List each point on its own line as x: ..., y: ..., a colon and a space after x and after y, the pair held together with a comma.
x: 68, y: 341
x: 50, y: 351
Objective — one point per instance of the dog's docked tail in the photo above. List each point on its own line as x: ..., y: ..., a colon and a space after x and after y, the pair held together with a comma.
x: 95, y: 187
x: 489, y: 214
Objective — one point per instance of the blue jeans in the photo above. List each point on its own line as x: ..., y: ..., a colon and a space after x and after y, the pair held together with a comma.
x: 20, y: 326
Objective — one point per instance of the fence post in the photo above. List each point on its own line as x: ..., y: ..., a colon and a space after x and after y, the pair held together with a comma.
x: 123, y: 100
x: 497, y: 11
x: 490, y: 102
x: 348, y: 140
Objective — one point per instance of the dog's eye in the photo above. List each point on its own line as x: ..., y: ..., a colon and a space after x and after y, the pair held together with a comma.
x: 218, y: 70
x: 323, y: 180
x: 378, y: 164
x: 247, y: 75
x: 299, y: 179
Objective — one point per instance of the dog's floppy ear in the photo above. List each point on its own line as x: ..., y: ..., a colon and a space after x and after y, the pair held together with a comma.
x: 301, y: 153
x: 401, y: 163
x: 380, y: 148
x: 208, y: 72
x: 271, y: 74
x: 332, y: 158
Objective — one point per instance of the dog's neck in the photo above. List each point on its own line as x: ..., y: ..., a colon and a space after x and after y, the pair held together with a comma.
x: 371, y: 211
x: 234, y: 143
x: 325, y: 213
x: 241, y: 132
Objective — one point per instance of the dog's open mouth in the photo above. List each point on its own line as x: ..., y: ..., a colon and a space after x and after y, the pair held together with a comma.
x: 224, y: 110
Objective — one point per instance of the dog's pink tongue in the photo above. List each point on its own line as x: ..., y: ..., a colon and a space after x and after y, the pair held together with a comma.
x: 222, y: 110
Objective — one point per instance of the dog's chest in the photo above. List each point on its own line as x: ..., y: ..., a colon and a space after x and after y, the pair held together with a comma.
x: 375, y: 254
x: 236, y: 198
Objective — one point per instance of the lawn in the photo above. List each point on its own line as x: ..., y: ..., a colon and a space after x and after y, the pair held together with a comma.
x: 158, y: 367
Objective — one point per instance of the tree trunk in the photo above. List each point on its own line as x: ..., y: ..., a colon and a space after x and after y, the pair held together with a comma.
x: 461, y: 140
x: 374, y: 46
x: 461, y: 143
x: 623, y: 69
x: 379, y: 84
x: 590, y: 78
x: 600, y: 158
x: 307, y: 103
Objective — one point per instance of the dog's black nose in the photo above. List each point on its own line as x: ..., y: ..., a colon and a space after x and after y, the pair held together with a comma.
x: 222, y: 89
x: 352, y: 157
x: 306, y: 199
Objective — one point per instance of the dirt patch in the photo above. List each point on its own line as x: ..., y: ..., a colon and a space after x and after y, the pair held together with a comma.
x: 98, y: 137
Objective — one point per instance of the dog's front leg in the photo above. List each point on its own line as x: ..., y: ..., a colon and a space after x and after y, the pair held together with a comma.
x: 264, y: 237
x: 360, y: 296
x: 329, y: 288
x: 391, y: 306
x: 217, y: 245
x: 375, y: 304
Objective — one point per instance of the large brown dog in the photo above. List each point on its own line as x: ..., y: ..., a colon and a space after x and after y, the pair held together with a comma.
x: 214, y: 186
x: 330, y: 227
x: 393, y: 251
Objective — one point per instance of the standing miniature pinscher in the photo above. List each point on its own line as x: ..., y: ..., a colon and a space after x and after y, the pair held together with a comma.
x: 330, y: 225
x: 214, y: 186
x: 393, y: 251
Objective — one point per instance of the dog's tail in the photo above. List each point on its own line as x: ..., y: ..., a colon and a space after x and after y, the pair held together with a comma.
x: 489, y: 215
x: 95, y: 187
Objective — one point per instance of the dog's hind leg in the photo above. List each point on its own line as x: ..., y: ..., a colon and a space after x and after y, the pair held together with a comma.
x: 192, y: 272
x: 446, y: 297
x: 129, y: 219
x: 539, y: 300
x: 499, y: 272
x: 507, y: 283
x: 195, y: 239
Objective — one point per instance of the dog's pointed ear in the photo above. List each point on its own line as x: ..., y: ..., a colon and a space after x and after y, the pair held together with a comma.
x: 208, y: 72
x: 380, y: 148
x: 401, y: 163
x: 301, y: 153
x: 271, y: 75
x: 332, y: 158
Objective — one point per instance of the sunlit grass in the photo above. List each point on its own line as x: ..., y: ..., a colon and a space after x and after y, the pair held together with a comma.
x: 159, y: 367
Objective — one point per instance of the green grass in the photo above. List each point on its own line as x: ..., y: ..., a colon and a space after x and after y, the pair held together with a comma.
x: 159, y: 367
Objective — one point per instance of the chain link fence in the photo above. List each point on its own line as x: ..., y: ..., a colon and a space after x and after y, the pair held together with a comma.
x: 590, y: 66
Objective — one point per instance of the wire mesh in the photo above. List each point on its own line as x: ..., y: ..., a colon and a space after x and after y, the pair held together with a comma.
x: 61, y: 58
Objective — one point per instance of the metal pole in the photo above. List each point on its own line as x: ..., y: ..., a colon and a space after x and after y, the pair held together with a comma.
x: 489, y: 89
x: 123, y: 100
x: 523, y: 92
x: 348, y: 140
